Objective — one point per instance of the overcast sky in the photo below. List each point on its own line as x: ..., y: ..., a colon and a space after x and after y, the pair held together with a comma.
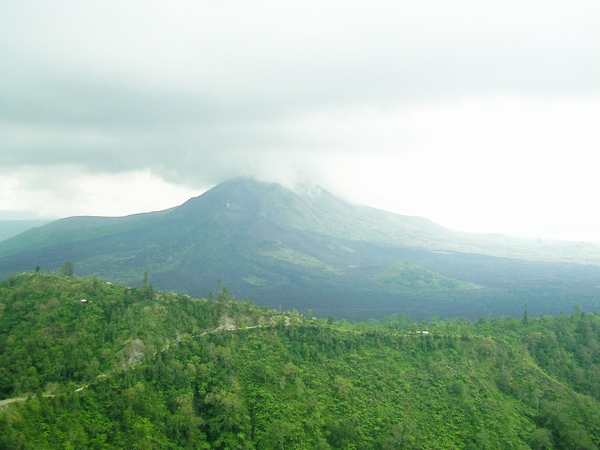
x: 479, y: 115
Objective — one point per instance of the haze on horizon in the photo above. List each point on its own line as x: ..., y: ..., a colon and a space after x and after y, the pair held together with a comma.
x: 480, y: 116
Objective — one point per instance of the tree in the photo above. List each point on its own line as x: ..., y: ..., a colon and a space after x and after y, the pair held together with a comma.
x: 541, y: 439
x: 280, y: 434
x: 147, y: 289
x: 340, y: 434
x: 404, y: 435
x: 230, y: 420
x: 67, y: 269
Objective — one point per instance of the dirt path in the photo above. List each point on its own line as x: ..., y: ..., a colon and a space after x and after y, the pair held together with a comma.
x: 227, y: 325
x: 8, y: 401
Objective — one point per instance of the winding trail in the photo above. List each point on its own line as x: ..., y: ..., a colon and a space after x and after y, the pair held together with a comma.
x: 8, y: 401
x: 227, y: 325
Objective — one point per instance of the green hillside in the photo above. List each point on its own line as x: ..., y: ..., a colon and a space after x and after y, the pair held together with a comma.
x: 137, y: 368
x: 10, y: 228
x: 417, y: 277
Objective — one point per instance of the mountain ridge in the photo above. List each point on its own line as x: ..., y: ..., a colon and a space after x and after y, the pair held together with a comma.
x: 11, y: 228
x: 317, y: 251
x: 359, y: 222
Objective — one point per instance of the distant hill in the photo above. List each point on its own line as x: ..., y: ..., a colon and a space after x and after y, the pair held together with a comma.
x: 315, y: 251
x: 89, y: 364
x: 10, y: 228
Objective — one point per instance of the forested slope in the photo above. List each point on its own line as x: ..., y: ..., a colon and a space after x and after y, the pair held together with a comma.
x: 133, y: 368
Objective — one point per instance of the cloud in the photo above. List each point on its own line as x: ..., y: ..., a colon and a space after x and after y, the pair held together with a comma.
x: 75, y: 192
x: 427, y: 98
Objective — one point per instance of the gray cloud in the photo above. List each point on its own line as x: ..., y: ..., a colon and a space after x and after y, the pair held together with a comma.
x: 201, y: 91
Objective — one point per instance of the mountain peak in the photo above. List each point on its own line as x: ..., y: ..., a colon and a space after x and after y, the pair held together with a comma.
x: 239, y: 194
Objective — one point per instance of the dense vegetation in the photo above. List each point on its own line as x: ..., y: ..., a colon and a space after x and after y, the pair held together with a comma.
x: 135, y: 368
